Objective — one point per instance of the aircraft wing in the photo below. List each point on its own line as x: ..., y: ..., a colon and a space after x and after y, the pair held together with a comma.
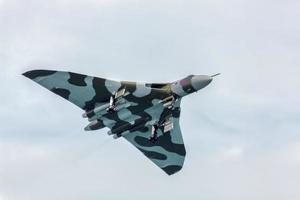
x: 88, y: 92
x: 84, y: 91
x: 168, y: 152
x: 144, y: 108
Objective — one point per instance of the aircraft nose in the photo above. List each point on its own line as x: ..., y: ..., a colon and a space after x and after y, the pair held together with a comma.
x: 200, y: 81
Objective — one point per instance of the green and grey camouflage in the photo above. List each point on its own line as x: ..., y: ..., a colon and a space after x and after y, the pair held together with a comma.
x: 145, y: 114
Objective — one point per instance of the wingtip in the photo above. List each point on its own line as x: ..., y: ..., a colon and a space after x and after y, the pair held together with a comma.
x: 32, y: 74
x: 172, y: 169
x: 27, y: 74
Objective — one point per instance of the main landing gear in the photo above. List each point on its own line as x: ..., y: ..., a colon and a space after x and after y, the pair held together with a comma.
x: 112, y: 104
x: 153, y: 137
x: 115, y: 99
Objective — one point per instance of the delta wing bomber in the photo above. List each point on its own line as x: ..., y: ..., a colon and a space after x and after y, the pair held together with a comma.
x: 145, y: 114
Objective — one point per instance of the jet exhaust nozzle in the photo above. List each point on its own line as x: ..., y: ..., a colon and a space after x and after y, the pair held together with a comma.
x: 94, y: 125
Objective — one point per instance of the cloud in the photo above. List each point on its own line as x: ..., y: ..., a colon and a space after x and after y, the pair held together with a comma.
x: 241, y: 132
x: 233, y: 153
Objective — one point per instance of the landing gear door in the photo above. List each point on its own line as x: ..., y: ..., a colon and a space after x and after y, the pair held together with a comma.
x: 168, y: 125
x: 120, y: 93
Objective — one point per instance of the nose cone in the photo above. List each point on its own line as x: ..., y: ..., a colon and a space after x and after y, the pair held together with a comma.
x: 200, y: 81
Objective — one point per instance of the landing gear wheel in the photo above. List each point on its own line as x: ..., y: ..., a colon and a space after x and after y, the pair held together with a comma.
x: 112, y: 104
x: 153, y: 137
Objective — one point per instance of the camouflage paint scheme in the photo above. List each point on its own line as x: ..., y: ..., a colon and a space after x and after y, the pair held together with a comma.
x: 142, y: 106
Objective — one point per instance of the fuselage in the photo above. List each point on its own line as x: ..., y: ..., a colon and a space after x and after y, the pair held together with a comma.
x: 190, y: 84
x: 150, y: 101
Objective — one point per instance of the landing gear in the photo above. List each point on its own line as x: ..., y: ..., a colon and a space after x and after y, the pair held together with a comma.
x: 115, y: 99
x: 169, y: 102
x: 112, y: 104
x: 153, y: 137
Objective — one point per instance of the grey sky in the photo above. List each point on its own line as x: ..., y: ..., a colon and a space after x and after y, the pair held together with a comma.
x: 241, y: 132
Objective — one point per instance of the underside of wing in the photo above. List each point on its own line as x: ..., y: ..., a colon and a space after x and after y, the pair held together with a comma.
x: 84, y: 91
x: 168, y: 152
x: 132, y: 113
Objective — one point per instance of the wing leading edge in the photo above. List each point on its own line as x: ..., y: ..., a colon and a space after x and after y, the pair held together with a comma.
x: 84, y: 91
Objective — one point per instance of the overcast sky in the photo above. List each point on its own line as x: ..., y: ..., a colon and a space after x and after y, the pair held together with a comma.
x: 241, y: 132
